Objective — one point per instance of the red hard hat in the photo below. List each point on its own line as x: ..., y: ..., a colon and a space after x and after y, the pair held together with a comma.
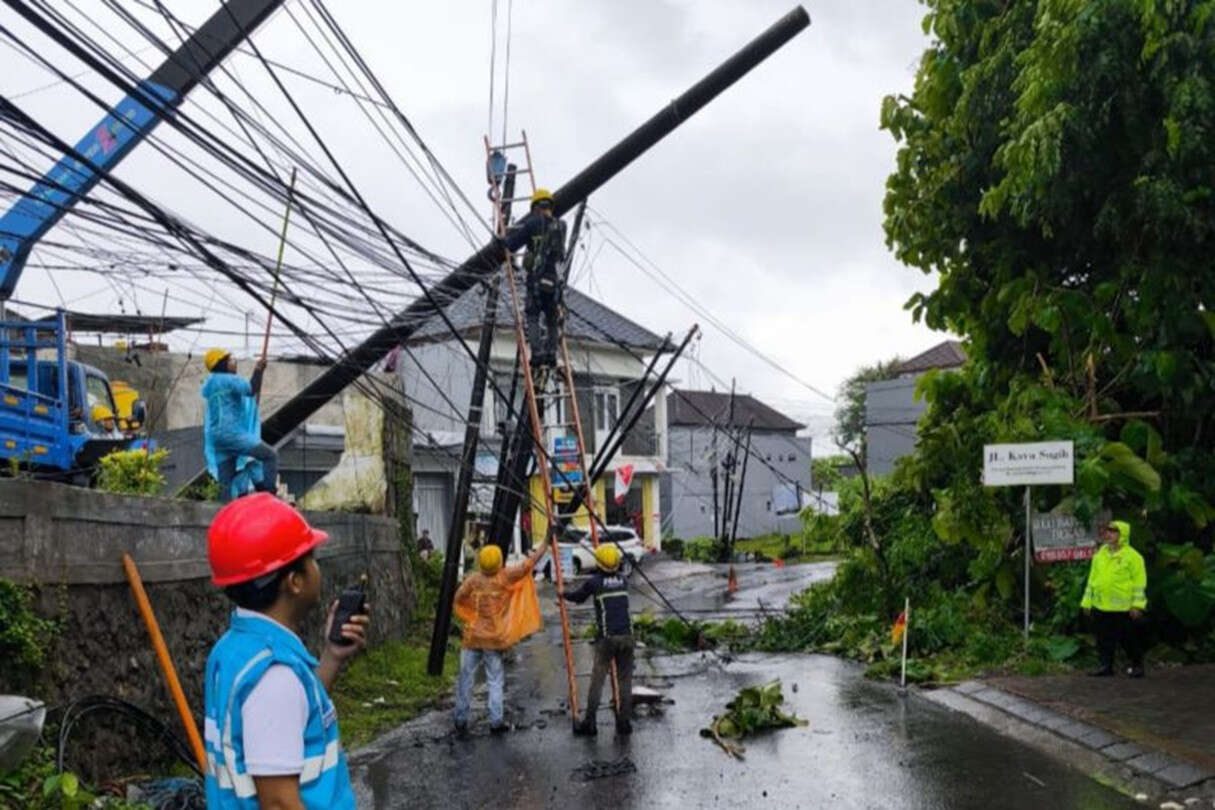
x: 256, y: 535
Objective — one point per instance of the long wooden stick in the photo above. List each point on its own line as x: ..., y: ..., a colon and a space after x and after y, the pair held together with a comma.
x: 166, y: 662
x: 278, y: 265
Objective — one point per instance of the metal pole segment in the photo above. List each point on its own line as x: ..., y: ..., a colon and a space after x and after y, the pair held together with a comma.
x: 468, y: 454
x: 1028, y: 553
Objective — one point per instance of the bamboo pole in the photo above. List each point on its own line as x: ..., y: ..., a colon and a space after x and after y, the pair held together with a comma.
x: 278, y: 265
x: 166, y: 662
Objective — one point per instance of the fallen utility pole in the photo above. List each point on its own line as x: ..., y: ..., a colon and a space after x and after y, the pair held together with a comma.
x: 468, y: 455
x: 361, y: 358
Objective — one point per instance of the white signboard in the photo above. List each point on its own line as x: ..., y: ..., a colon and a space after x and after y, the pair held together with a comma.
x: 1009, y: 465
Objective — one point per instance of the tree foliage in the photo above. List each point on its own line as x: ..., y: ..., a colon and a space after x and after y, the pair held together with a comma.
x: 850, y: 413
x: 1054, y: 176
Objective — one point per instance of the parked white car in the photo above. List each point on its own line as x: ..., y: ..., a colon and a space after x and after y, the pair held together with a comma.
x: 579, y: 542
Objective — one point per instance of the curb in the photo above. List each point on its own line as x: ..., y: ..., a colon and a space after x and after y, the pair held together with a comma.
x: 1137, y: 767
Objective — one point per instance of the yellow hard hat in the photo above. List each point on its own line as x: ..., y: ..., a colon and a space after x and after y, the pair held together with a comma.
x: 489, y: 559
x: 541, y: 194
x: 607, y: 557
x: 212, y: 358
x: 101, y: 412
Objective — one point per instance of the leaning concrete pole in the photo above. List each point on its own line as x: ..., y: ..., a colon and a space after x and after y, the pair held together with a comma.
x: 358, y: 360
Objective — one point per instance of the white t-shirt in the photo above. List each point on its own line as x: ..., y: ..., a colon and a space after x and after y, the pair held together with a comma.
x: 273, y: 718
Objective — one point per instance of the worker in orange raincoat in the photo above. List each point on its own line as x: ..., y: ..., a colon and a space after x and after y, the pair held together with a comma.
x: 498, y: 608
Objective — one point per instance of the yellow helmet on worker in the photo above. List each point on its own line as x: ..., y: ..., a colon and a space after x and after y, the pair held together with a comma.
x: 489, y: 559
x: 541, y: 195
x: 607, y: 557
x: 214, y: 357
x: 100, y: 413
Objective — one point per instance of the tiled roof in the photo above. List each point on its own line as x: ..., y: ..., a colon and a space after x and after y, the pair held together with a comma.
x: 706, y: 408
x: 944, y: 355
x: 587, y: 320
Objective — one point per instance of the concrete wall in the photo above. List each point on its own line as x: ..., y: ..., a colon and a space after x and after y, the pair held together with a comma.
x: 68, y: 543
x: 891, y: 415
x: 691, y: 488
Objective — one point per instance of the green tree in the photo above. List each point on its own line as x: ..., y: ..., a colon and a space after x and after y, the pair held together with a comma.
x: 850, y: 413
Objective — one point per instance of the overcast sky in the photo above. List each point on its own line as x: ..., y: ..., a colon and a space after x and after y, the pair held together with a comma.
x: 764, y: 209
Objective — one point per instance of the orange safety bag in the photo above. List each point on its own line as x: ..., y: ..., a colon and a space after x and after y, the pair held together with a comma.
x: 497, y: 612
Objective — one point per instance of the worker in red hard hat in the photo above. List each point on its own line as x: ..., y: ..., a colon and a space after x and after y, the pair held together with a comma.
x: 271, y: 731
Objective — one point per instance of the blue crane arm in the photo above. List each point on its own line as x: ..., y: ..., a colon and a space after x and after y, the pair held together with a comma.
x: 122, y: 129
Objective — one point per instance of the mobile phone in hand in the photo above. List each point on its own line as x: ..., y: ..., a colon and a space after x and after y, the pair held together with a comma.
x: 352, y: 602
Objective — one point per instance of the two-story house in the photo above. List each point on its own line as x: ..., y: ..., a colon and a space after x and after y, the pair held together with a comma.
x: 892, y: 412
x: 609, y: 353
x: 777, y: 478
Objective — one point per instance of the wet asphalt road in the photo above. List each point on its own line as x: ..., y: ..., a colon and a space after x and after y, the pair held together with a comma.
x: 864, y: 747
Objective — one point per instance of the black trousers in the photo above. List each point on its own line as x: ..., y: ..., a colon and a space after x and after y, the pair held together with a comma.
x: 542, y: 300
x: 1113, y: 629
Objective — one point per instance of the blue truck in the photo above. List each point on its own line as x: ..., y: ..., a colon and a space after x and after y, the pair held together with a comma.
x: 47, y: 402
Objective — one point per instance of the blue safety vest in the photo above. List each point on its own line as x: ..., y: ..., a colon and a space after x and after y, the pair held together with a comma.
x: 238, y: 661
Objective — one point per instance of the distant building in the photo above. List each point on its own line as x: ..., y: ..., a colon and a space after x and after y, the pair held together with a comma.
x: 892, y: 411
x: 778, y: 471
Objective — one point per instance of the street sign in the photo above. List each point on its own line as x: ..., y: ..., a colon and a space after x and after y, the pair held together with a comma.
x: 1031, y: 464
x: 567, y: 470
x: 1028, y: 464
x: 1064, y: 538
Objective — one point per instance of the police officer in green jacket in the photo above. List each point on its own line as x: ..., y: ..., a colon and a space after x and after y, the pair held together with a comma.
x: 1115, y: 598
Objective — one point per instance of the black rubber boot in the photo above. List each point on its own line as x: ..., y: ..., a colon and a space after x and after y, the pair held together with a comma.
x: 499, y: 729
x: 586, y: 728
x: 624, y: 726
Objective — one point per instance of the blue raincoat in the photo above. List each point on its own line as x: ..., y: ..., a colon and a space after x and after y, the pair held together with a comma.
x: 232, y: 425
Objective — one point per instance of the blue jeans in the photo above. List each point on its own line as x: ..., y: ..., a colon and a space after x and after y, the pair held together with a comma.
x: 495, y: 679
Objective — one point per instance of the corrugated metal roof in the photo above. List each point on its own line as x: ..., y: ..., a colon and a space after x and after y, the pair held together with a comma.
x: 948, y: 354
x: 588, y: 320
x: 707, y: 408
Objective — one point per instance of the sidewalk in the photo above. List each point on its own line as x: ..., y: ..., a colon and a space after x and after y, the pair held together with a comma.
x: 1162, y: 727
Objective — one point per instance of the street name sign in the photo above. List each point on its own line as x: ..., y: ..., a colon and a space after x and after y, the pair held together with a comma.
x: 1030, y: 464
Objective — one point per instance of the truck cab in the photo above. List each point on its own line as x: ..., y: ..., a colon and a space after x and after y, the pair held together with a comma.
x: 47, y: 401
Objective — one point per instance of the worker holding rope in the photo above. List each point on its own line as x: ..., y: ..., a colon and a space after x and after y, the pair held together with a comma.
x: 232, y: 429
x: 271, y: 731
x: 544, y: 256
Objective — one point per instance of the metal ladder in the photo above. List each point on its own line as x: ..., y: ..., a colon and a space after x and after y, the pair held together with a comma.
x: 558, y: 389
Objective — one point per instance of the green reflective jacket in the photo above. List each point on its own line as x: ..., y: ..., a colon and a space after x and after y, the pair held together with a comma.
x: 1117, y: 581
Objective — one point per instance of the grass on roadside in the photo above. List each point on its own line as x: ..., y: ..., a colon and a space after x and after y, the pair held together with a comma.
x: 388, y: 686
x: 784, y: 547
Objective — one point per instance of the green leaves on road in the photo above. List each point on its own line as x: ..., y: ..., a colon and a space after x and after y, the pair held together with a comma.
x: 753, y: 710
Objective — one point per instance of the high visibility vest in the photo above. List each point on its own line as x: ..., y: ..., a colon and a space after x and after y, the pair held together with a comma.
x: 250, y: 647
x: 1117, y: 581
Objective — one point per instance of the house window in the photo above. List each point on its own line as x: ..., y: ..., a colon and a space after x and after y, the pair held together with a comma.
x: 607, y: 404
x: 607, y: 408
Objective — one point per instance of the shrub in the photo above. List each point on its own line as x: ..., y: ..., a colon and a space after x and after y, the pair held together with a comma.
x: 23, y: 635
x: 133, y: 472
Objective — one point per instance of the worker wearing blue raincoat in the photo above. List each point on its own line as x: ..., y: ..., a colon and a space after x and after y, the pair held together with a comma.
x: 237, y: 457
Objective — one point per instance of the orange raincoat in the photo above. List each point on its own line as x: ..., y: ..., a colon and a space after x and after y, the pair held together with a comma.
x: 500, y: 610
